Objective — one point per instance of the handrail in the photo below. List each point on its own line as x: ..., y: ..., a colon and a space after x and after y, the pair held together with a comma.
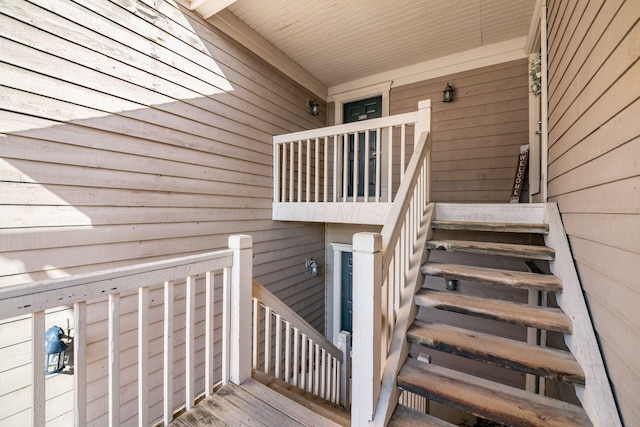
x: 361, y: 126
x: 308, y: 361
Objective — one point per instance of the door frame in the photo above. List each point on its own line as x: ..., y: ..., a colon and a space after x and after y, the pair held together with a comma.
x: 538, y: 107
x: 338, y: 249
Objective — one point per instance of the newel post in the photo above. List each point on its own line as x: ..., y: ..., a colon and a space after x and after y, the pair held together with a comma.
x: 424, y: 120
x: 367, y: 324
x: 239, y: 318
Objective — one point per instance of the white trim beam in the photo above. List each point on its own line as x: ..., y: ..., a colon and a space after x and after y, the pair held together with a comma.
x: 242, y: 33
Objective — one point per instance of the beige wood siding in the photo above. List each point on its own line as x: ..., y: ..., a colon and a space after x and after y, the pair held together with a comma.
x: 477, y: 137
x: 594, y: 170
x: 133, y: 133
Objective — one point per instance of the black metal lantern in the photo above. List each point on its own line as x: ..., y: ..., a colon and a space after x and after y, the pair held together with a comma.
x: 447, y: 93
x: 54, y: 349
x: 314, y: 107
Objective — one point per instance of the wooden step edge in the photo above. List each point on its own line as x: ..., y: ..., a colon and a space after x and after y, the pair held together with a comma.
x: 508, y: 353
x: 492, y: 276
x: 549, y: 319
x: 488, y: 399
x: 403, y: 416
x: 498, y: 227
x: 491, y: 248
x: 308, y: 400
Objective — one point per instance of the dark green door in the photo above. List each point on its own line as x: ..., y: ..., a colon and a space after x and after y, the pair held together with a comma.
x: 346, y: 297
x: 352, y: 112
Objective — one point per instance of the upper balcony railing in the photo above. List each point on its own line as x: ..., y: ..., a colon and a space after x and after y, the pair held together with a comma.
x: 321, y: 175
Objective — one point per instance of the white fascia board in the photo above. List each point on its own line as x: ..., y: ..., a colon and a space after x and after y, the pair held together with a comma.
x: 497, y: 53
x: 243, y: 34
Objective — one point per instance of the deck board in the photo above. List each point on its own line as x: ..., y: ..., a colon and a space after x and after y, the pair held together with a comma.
x: 250, y: 404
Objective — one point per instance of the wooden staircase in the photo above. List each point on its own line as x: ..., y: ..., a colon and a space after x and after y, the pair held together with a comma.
x: 467, y: 250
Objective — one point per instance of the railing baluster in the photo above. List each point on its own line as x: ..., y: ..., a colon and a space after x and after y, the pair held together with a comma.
x: 303, y: 363
x: 143, y: 356
x: 38, y: 368
x: 209, y: 333
x: 336, y: 150
x: 316, y: 380
x: 226, y: 327
x: 190, y: 324
x: 114, y: 360
x: 296, y: 356
x: 403, y: 150
x: 345, y: 166
x: 80, y: 361
x: 291, y: 171
x: 256, y: 332
x: 323, y: 373
x: 378, y: 164
x: 325, y: 176
x: 356, y: 171
x: 366, y: 154
x: 278, y: 355
x: 299, y: 198
x: 316, y: 181
x: 390, y: 166
x: 287, y: 346
x: 168, y: 353
x: 284, y: 173
x: 267, y: 340
x: 308, y: 177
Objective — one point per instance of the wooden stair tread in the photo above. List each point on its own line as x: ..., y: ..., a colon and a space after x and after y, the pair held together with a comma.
x: 332, y: 412
x: 550, y: 319
x: 515, y: 279
x: 403, y: 416
x: 492, y: 248
x: 542, y: 361
x: 500, y: 227
x: 487, y: 399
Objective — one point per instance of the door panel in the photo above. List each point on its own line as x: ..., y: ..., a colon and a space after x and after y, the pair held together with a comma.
x: 346, y: 297
x: 356, y: 111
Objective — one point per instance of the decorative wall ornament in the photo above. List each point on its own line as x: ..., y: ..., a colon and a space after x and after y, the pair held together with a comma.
x: 535, y: 71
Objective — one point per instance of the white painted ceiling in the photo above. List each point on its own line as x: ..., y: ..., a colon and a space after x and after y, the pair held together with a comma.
x: 338, y: 41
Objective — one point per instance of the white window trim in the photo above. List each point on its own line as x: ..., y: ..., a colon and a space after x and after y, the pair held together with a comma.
x: 338, y: 249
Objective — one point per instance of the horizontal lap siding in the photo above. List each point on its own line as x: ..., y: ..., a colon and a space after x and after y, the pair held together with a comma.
x: 477, y: 137
x: 594, y: 170
x: 133, y: 134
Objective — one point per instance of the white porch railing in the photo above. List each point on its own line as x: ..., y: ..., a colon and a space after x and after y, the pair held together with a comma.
x: 287, y: 348
x: 231, y: 267
x: 188, y: 289
x: 320, y: 172
x: 386, y: 272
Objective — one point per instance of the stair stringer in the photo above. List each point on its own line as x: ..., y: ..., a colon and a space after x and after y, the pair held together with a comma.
x: 596, y: 396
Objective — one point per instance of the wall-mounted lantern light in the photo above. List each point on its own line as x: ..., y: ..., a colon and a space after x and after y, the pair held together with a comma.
x: 313, y: 265
x: 54, y: 349
x: 314, y: 107
x: 447, y: 93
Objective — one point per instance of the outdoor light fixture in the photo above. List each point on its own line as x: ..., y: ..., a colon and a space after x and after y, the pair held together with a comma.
x: 314, y: 107
x: 54, y: 349
x: 447, y: 93
x: 313, y: 265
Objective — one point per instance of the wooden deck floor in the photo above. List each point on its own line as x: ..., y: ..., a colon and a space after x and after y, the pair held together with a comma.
x: 251, y: 404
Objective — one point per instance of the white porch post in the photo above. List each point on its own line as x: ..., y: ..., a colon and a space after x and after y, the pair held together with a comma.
x: 344, y: 344
x: 367, y: 325
x: 240, y: 309
x: 424, y: 120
